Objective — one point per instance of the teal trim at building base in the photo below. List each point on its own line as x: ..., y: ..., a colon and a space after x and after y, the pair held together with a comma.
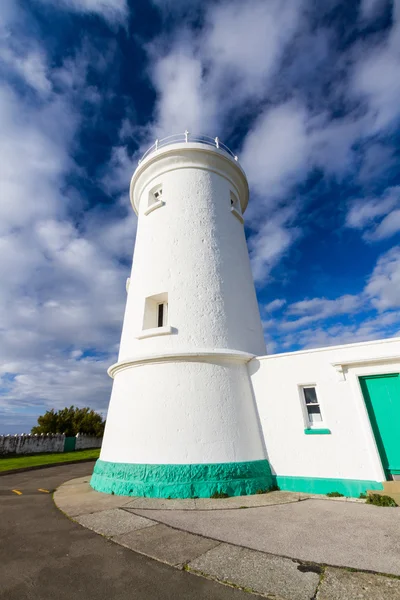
x: 317, y: 431
x: 181, y: 481
x: 319, y: 485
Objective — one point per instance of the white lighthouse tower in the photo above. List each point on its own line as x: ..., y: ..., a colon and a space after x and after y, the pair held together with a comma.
x: 182, y: 420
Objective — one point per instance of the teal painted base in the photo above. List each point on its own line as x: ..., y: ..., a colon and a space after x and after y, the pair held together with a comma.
x: 181, y: 481
x: 319, y: 485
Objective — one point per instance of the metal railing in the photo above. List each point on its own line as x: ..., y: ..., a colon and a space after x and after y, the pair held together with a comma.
x: 185, y: 138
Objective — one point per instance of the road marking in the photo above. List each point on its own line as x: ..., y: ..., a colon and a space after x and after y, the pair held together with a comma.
x: 17, y: 492
x: 42, y: 490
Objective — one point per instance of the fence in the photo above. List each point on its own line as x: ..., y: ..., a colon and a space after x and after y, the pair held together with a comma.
x: 32, y: 444
x: 187, y: 137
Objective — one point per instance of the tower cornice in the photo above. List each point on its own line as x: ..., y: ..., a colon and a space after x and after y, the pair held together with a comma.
x: 188, y: 155
x: 183, y: 355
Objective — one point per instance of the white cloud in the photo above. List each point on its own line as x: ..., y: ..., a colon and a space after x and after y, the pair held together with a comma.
x: 30, y: 65
x: 376, y: 76
x: 388, y: 226
x: 371, y: 8
x: 273, y: 238
x: 275, y: 154
x: 376, y: 161
x: 242, y: 61
x: 318, y: 309
x: 62, y: 307
x: 318, y: 337
x: 371, y: 314
x: 377, y: 216
x: 113, y: 11
x: 185, y: 102
x: 245, y: 41
x: 274, y: 305
x: 19, y: 54
x: 383, y: 287
x: 206, y: 73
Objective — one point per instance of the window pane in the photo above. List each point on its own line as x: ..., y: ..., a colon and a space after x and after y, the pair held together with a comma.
x: 310, y: 395
x: 315, y: 418
x: 314, y: 413
x: 160, y: 315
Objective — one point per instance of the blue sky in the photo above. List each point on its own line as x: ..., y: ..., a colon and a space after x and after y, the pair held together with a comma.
x: 307, y: 97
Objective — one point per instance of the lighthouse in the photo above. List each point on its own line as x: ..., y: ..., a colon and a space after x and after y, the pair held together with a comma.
x: 182, y: 420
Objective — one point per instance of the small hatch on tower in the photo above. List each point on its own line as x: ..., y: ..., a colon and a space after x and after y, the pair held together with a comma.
x: 235, y: 202
x: 155, y: 195
x: 235, y: 207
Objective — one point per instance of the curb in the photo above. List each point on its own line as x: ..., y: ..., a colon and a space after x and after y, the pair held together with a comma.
x: 37, y: 467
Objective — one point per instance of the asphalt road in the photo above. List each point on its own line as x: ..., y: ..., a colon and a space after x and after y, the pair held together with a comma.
x: 44, y: 555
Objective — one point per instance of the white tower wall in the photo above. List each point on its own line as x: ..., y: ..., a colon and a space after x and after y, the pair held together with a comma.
x: 182, y: 419
x: 193, y: 248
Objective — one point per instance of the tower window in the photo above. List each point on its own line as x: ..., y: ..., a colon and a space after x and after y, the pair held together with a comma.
x: 235, y: 207
x: 156, y: 311
x: 155, y: 195
x: 162, y: 314
x: 158, y: 194
x: 155, y: 318
x: 235, y: 202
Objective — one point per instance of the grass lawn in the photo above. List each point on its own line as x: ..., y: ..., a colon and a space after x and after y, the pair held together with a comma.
x: 20, y: 462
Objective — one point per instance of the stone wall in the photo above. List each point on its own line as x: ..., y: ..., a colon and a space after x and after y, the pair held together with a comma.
x: 32, y: 444
x: 84, y: 442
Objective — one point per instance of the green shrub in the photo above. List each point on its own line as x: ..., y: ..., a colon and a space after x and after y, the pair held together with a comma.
x: 273, y: 488
x: 378, y: 500
x: 335, y: 495
x: 362, y: 496
x: 219, y: 495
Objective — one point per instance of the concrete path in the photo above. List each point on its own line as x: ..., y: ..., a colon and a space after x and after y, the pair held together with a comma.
x: 345, y: 534
x: 46, y: 556
x: 257, y: 544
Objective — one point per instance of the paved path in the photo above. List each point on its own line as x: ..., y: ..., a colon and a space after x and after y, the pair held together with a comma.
x: 344, y: 534
x: 250, y: 548
x: 44, y: 555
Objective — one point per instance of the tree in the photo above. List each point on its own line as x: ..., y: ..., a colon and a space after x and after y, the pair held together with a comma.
x: 71, y: 421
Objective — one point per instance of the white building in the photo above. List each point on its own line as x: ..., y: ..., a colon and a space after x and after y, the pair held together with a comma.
x: 196, y: 406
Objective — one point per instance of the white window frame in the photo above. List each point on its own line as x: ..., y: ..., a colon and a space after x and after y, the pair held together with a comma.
x: 308, y: 423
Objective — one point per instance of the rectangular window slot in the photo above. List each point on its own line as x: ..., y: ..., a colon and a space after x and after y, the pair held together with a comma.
x: 162, y: 314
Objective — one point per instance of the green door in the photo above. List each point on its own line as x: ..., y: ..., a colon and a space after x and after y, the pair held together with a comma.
x: 69, y: 444
x: 382, y: 397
